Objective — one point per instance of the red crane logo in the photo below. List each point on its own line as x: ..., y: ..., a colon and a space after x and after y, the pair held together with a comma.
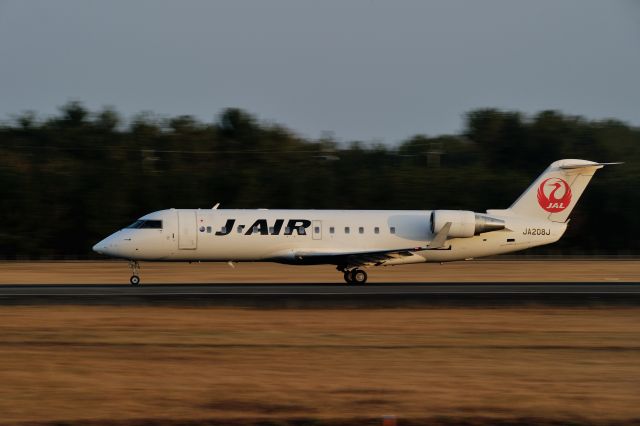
x: 559, y: 195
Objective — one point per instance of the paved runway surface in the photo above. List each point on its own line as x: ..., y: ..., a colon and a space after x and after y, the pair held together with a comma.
x: 319, y: 289
x: 329, y: 295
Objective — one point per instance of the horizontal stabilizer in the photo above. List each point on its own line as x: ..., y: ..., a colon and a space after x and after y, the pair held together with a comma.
x: 581, y: 166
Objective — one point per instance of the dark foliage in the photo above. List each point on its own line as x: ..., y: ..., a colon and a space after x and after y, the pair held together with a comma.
x: 70, y: 180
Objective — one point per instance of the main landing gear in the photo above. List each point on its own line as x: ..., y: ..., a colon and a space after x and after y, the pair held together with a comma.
x: 355, y: 276
x: 135, y: 269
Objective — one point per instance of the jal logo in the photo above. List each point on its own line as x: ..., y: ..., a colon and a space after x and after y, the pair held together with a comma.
x: 554, y: 195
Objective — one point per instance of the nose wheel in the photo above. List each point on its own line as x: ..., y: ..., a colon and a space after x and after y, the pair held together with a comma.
x: 355, y: 276
x: 135, y: 269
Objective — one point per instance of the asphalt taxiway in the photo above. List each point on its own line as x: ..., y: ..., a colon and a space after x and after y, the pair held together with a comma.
x: 327, y: 295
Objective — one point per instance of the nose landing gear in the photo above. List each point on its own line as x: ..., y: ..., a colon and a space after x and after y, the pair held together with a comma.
x: 135, y: 269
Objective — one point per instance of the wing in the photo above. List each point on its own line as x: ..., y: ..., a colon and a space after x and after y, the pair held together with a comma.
x: 353, y: 259
x: 365, y: 258
x: 373, y: 258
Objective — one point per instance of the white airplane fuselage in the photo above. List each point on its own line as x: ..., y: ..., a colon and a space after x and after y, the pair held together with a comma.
x: 276, y: 235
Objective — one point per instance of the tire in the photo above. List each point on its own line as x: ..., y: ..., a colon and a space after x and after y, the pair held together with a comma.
x: 134, y: 280
x: 358, y: 276
x: 347, y: 277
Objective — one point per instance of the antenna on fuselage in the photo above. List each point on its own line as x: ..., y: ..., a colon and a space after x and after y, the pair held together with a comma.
x: 215, y: 207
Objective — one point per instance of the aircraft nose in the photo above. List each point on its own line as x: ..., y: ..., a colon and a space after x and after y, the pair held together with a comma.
x: 99, y: 248
x: 109, y: 246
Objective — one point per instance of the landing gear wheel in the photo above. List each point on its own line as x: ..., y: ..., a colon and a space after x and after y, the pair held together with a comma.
x: 358, y: 276
x: 135, y: 270
x: 347, y: 277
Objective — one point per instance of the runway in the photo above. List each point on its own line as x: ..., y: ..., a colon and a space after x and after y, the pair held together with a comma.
x: 327, y: 295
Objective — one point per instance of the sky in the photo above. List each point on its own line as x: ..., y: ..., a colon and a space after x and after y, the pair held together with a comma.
x: 369, y: 70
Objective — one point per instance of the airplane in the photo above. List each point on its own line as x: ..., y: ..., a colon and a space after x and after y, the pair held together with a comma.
x: 353, y: 240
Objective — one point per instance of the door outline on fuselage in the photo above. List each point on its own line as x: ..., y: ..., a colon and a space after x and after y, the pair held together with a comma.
x: 316, y: 224
x: 187, y: 230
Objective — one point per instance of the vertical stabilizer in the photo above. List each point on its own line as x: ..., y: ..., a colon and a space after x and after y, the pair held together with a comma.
x: 556, y: 191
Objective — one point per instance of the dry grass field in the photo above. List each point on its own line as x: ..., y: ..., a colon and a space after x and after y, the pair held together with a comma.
x: 84, y: 365
x: 117, y: 272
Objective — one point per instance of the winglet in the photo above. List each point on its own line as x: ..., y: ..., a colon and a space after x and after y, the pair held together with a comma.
x: 441, y: 237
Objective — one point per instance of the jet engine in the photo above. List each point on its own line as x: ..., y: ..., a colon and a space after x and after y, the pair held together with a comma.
x: 464, y: 224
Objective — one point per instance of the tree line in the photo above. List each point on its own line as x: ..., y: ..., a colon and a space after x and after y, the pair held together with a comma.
x: 71, y: 179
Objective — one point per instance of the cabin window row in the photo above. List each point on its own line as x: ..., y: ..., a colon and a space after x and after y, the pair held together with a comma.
x: 301, y: 230
x: 361, y: 230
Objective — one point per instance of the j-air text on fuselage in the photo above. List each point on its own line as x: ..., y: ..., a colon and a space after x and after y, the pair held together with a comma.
x: 356, y: 239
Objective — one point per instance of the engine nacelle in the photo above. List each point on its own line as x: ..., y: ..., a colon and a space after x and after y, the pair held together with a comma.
x: 464, y: 223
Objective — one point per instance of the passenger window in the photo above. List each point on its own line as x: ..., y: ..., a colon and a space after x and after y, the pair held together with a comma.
x: 287, y: 231
x: 376, y: 230
x: 301, y: 231
x: 346, y: 230
x: 392, y: 229
x: 361, y: 230
x: 317, y: 229
x: 224, y: 229
x: 332, y: 230
x: 240, y: 229
x: 272, y: 230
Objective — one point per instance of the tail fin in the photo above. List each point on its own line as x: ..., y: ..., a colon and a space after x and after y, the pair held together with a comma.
x: 557, y: 190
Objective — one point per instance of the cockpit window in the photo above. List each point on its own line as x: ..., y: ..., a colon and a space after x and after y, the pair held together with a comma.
x: 146, y: 224
x: 152, y: 224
